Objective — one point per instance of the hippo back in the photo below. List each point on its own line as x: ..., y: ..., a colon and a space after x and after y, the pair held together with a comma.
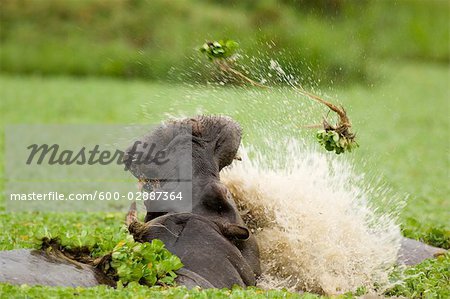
x: 210, y: 258
x: 35, y: 267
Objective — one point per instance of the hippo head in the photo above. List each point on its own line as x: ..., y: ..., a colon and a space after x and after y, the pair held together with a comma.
x: 195, y: 148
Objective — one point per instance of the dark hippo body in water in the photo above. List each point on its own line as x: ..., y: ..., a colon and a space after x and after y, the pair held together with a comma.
x: 413, y: 252
x: 35, y: 267
x: 206, y: 248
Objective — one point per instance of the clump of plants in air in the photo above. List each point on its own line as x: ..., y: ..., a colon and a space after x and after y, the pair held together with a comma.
x: 333, y: 137
x: 219, y: 49
x: 128, y: 262
x: 332, y: 140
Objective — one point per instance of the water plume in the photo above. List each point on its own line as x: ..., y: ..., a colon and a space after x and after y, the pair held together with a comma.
x: 315, y: 220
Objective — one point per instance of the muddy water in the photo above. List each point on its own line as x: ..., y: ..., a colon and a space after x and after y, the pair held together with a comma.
x: 314, y: 220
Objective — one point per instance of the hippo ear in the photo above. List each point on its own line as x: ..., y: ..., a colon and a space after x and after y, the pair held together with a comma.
x: 224, y: 132
x: 236, y: 232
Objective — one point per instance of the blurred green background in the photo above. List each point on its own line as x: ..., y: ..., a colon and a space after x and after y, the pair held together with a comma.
x: 330, y: 40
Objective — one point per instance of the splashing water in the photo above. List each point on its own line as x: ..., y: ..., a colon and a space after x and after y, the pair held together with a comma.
x: 317, y: 221
x: 314, y: 222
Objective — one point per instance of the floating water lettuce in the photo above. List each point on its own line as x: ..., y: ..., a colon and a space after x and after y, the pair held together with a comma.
x: 337, y: 138
x: 128, y: 262
x: 144, y: 262
x: 333, y: 141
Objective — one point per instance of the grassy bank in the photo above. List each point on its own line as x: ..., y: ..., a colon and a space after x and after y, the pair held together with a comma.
x: 330, y: 40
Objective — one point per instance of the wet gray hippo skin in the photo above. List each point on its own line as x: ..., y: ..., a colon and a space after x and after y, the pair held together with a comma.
x: 214, y: 141
x: 204, y: 246
x: 35, y: 267
x: 413, y: 252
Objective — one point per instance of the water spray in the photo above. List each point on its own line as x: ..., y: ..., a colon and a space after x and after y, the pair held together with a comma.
x: 337, y: 138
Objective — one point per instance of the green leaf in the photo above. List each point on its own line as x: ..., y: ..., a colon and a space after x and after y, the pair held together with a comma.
x: 219, y: 49
x: 335, y: 136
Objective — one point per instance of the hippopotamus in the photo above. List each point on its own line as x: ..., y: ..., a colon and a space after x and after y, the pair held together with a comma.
x: 205, y: 246
x: 213, y: 142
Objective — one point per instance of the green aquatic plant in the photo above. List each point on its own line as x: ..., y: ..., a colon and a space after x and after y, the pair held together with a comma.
x: 429, y: 279
x: 332, y: 140
x: 223, y: 54
x: 129, y: 261
x: 145, y: 262
x: 219, y: 49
